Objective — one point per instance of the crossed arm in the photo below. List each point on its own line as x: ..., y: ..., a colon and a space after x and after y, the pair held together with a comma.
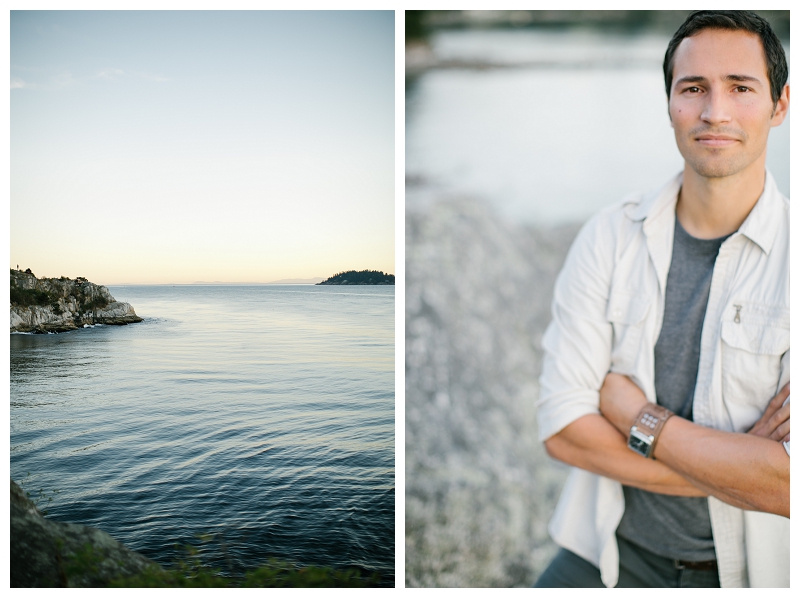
x: 749, y: 471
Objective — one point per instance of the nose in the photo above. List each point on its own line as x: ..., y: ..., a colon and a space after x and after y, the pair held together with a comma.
x: 716, y: 109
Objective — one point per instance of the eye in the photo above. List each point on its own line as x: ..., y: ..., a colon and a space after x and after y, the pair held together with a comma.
x: 692, y: 89
x: 742, y: 89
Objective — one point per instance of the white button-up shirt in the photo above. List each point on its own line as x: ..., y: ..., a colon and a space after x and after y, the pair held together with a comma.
x: 608, y: 308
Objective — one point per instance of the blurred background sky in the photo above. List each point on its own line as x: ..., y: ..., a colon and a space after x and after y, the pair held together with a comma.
x: 174, y: 147
x: 546, y: 115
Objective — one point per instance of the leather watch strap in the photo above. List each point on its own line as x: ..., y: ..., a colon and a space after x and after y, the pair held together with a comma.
x: 651, y: 420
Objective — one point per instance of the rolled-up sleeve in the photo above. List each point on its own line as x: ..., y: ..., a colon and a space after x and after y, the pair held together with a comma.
x: 577, y: 343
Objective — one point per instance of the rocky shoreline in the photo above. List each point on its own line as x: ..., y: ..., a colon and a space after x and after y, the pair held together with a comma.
x: 480, y: 488
x: 42, y: 305
x: 46, y: 553
x: 49, y: 554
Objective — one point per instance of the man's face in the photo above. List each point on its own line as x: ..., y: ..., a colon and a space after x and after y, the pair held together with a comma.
x: 720, y: 103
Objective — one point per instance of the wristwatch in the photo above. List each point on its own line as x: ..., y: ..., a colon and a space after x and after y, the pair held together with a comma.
x: 646, y: 428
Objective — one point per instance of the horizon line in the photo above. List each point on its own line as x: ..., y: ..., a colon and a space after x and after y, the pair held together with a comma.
x: 202, y: 282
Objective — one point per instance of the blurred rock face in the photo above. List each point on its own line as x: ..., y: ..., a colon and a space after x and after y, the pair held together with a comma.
x: 480, y: 488
x: 48, y: 554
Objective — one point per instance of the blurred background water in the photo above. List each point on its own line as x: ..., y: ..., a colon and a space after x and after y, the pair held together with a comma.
x: 519, y: 126
x: 260, y: 415
x: 547, y: 125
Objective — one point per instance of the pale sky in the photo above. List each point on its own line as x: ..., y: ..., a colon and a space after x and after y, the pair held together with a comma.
x: 172, y: 147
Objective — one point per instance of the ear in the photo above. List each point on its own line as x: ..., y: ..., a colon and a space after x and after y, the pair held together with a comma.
x: 781, y: 108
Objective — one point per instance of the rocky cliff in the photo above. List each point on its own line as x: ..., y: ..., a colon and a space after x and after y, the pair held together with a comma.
x: 61, y: 304
x: 46, y: 553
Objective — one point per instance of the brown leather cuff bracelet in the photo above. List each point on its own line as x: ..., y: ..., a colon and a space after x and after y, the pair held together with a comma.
x: 646, y: 428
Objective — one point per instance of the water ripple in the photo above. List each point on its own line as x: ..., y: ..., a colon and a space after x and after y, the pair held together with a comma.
x: 261, y: 415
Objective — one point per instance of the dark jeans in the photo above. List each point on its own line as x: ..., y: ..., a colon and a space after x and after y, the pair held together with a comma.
x: 638, y: 568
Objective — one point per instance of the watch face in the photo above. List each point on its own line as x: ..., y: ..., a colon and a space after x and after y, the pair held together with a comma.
x: 639, y: 442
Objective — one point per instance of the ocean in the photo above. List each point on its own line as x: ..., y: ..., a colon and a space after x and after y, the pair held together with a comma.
x: 261, y: 417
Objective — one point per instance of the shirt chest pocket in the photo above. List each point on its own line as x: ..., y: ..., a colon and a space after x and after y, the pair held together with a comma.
x: 753, y: 340
x: 626, y: 312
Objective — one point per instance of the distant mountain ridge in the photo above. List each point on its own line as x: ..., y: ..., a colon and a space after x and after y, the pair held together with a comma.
x: 352, y: 277
x: 314, y: 280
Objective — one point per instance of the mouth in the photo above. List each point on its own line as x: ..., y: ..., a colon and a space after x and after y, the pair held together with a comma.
x: 716, y: 140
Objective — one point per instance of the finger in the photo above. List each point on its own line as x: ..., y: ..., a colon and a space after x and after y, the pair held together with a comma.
x: 772, y: 428
x: 774, y: 405
x: 780, y: 416
x: 763, y: 426
x: 781, y: 431
x: 779, y: 398
x: 767, y: 429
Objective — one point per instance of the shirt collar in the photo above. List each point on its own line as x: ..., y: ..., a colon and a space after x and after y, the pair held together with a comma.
x: 760, y: 226
x: 655, y: 204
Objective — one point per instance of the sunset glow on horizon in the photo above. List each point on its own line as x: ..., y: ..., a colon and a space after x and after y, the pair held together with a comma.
x: 153, y: 147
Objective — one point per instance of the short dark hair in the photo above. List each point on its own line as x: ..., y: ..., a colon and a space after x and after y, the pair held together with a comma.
x: 734, y: 20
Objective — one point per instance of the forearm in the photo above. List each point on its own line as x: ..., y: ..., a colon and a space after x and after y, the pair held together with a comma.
x: 594, y: 444
x: 740, y: 469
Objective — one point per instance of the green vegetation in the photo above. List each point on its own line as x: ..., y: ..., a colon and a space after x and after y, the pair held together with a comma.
x: 190, y: 572
x: 362, y: 277
x: 28, y: 297
x: 275, y: 574
x: 40, y: 499
x: 87, y: 565
x: 97, y: 303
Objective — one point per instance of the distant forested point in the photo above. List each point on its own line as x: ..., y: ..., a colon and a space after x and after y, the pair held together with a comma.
x: 362, y: 277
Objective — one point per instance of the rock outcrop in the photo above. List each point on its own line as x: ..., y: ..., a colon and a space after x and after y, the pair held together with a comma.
x: 46, y: 553
x: 62, y: 304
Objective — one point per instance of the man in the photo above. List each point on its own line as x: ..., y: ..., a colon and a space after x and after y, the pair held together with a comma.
x: 670, y: 336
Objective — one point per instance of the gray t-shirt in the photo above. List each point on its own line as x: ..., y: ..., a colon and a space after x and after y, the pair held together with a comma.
x: 675, y: 526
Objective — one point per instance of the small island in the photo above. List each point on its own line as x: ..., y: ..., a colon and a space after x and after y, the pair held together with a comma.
x: 60, y: 304
x: 362, y: 277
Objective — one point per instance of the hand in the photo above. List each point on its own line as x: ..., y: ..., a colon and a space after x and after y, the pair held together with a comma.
x: 774, y: 424
x: 620, y: 401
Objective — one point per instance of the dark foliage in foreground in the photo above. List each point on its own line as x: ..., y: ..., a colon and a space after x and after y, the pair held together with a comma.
x: 46, y: 553
x: 191, y: 573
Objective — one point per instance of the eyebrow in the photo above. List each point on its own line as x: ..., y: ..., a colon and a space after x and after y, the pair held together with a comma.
x: 700, y: 79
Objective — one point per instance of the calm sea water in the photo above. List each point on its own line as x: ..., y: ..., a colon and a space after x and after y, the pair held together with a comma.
x: 263, y: 415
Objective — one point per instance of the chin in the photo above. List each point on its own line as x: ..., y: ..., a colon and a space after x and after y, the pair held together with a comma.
x: 718, y: 168
x: 714, y: 171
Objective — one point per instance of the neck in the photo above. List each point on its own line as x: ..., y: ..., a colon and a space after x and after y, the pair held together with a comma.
x: 709, y: 208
